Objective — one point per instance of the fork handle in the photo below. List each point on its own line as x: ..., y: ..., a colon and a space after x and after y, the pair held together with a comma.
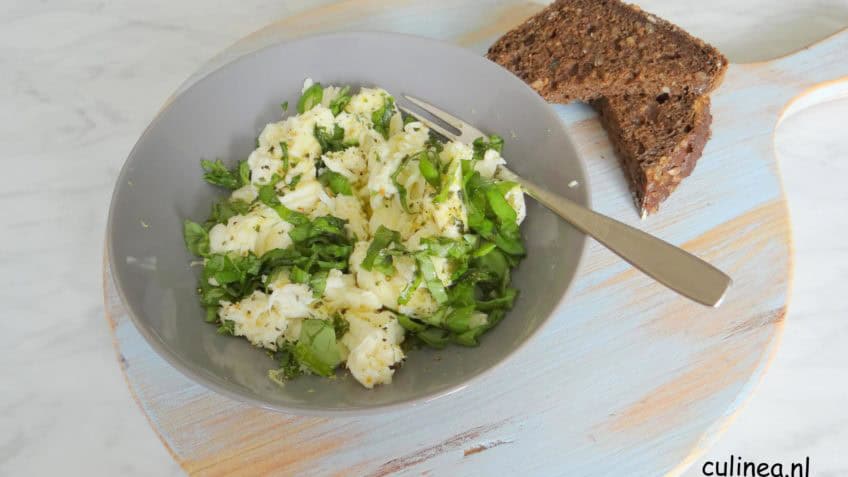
x: 670, y: 265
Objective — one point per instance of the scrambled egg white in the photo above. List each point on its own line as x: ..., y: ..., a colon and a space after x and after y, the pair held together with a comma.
x: 365, y: 299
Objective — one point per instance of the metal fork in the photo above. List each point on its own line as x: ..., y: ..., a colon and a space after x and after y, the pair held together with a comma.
x: 670, y: 265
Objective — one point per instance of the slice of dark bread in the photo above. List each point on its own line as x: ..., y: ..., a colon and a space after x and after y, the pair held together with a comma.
x: 659, y: 139
x: 586, y: 49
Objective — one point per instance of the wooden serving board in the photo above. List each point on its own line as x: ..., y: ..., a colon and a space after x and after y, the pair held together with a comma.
x: 628, y: 378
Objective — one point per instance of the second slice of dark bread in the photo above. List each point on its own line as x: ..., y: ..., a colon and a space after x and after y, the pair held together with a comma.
x: 659, y: 139
x: 586, y: 49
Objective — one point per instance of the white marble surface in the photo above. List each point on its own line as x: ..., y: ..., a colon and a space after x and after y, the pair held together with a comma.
x: 82, y: 78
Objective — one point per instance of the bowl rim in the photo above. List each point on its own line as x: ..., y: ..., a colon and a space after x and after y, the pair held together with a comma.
x: 186, y: 370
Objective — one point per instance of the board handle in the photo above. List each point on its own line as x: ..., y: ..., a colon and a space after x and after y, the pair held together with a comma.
x: 812, y: 75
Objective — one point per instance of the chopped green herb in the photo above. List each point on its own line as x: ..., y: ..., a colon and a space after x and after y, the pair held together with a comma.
x: 410, y: 324
x: 336, y: 182
x: 431, y: 279
x: 216, y: 173
x: 196, y: 238
x: 482, y: 144
x: 224, y: 209
x: 457, y: 320
x: 298, y: 275
x: 289, y: 366
x: 228, y: 327
x: 232, y: 269
x: 504, y: 301
x: 284, y: 156
x: 338, y: 104
x: 285, y: 106
x: 330, y: 142
x: 340, y: 325
x: 382, y: 117
x: 316, y: 348
x: 428, y: 165
x: 212, y: 314
x: 295, y: 180
x: 318, y: 282
x: 409, y: 290
x: 484, y: 248
x: 310, y: 98
x: 400, y: 188
x: 448, y: 179
x: 244, y: 172
x: 434, y: 337
x: 376, y: 257
x: 268, y: 196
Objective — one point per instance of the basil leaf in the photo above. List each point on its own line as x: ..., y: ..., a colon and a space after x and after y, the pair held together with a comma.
x: 468, y: 338
x: 290, y: 216
x: 244, y: 172
x: 212, y: 295
x: 434, y: 144
x: 285, y: 106
x: 336, y: 182
x: 457, y: 320
x: 462, y: 294
x: 338, y: 104
x: 316, y: 348
x: 400, y: 188
x: 410, y: 324
x: 447, y: 247
x: 503, y: 211
x: 340, y: 325
x: 310, y: 98
x: 382, y: 118
x: 409, y: 290
x: 429, y: 168
x: 505, y: 301
x: 196, y: 238
x: 232, y: 268
x: 510, y: 243
x: 330, y: 142
x: 374, y: 257
x: 289, y: 366
x: 482, y: 144
x: 268, y: 196
x: 318, y: 282
x: 431, y: 279
x: 298, y: 275
x: 216, y: 173
x: 227, y: 328
x: 327, y: 227
x: 224, y: 209
x: 211, y: 314
x: 295, y: 180
x: 484, y: 248
x: 437, y: 319
x: 492, y: 268
x: 434, y: 337
x: 447, y: 181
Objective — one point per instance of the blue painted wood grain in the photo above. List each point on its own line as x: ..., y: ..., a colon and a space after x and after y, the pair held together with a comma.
x: 627, y: 378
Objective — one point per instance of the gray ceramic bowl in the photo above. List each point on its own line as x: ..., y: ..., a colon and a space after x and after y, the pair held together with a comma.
x: 219, y: 117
